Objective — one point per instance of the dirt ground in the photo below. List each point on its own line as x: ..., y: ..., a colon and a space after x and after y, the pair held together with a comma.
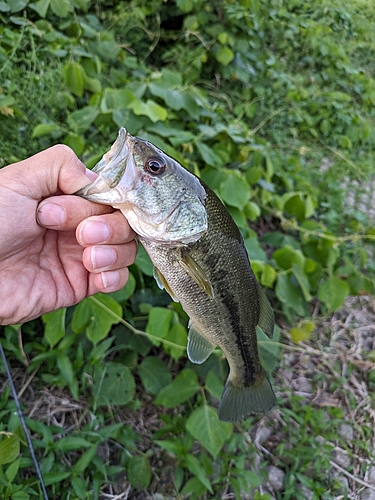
x: 335, y: 369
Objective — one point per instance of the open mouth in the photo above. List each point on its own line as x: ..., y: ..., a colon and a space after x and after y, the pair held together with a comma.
x: 111, y: 169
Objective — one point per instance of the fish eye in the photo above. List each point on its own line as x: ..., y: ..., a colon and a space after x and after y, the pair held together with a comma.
x: 155, y: 165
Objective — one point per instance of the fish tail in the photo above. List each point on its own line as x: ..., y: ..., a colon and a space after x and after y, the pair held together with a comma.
x: 241, y: 401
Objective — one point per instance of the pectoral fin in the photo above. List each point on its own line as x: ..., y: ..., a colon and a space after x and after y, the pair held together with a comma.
x: 266, y: 317
x: 195, y: 271
x: 163, y: 284
x: 198, y: 348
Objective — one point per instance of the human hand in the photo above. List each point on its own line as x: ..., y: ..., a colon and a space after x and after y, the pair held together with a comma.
x: 56, y: 249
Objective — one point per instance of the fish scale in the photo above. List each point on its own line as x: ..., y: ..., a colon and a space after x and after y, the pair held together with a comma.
x: 228, y: 319
x: 199, y: 258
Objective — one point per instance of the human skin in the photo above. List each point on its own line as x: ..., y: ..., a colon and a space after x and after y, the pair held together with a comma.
x: 55, y: 248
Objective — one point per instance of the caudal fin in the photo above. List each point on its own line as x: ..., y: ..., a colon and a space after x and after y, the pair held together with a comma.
x: 238, y: 402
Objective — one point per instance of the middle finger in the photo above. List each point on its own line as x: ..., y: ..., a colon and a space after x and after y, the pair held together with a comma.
x: 109, y: 229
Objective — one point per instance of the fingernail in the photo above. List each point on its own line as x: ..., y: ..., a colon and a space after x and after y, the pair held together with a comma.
x: 110, y: 278
x: 102, y: 257
x: 91, y: 175
x: 94, y: 232
x: 50, y: 214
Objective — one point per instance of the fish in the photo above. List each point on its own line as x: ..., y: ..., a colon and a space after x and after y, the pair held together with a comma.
x: 199, y: 258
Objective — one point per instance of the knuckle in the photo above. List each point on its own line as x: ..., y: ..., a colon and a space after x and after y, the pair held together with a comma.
x: 64, y: 151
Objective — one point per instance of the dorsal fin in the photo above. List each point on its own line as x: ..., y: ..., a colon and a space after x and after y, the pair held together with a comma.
x: 266, y: 316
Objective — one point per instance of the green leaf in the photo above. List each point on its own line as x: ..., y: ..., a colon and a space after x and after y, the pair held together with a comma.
x: 269, y: 349
x: 254, y: 249
x: 139, y: 471
x: 70, y: 443
x: 55, y: 477
x: 74, y: 77
x: 54, y: 326
x: 66, y: 368
x: 85, y: 460
x: 302, y: 281
x: 100, y: 350
x: 92, y: 85
x: 60, y: 7
x: 115, y: 99
x: 17, y: 5
x: 81, y: 120
x: 325, y: 126
x: 78, y: 486
x: 214, y: 385
x: 9, y: 448
x: 113, y: 384
x: 284, y: 257
x: 175, y: 447
x: 194, y: 465
x: 234, y: 190
x: 110, y: 431
x: 295, y: 204
x: 238, y: 217
x: 4, y: 7
x: 76, y: 142
x: 185, y: 5
x: 125, y: 293
x: 333, y: 292
x: 290, y: 294
x: 302, y: 332
x: 178, y: 335
x: 41, y: 7
x: 252, y: 211
x: 158, y: 324
x: 208, y: 155
x: 225, y: 55
x: 268, y: 276
x: 20, y: 495
x: 193, y: 488
x: 144, y: 263
x: 12, y: 470
x: 309, y: 206
x: 44, y: 129
x: 154, y: 374
x: 6, y: 100
x: 183, y: 387
x: 204, y: 425
x: 96, y: 314
x: 150, y: 109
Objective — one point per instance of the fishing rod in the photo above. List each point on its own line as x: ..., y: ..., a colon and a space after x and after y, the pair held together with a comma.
x: 24, y: 426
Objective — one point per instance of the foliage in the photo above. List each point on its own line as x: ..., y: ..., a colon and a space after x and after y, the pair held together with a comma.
x: 254, y: 98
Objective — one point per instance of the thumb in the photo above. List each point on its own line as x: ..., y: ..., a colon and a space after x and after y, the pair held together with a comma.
x: 54, y: 170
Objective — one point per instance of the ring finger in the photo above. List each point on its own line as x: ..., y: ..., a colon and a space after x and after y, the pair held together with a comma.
x: 98, y: 258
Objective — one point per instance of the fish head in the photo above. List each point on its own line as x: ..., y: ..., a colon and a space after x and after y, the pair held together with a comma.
x: 162, y: 201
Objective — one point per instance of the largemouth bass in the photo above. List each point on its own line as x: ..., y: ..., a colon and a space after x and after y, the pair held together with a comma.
x: 199, y: 258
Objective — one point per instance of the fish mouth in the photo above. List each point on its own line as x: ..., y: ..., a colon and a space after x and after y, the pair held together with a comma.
x: 115, y: 172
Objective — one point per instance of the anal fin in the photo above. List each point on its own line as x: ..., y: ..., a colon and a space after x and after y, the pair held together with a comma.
x: 198, y: 348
